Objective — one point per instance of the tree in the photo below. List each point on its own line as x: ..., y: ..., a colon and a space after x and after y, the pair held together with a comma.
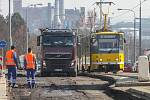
x: 3, y: 28
x: 19, y: 33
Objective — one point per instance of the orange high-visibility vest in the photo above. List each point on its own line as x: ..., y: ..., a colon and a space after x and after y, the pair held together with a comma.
x: 30, y: 60
x: 10, y: 58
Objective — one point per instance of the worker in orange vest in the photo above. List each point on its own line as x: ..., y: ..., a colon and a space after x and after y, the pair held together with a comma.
x: 30, y: 67
x: 12, y: 65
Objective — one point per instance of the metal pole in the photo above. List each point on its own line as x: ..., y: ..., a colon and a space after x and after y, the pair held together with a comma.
x: 27, y: 22
x: 82, y: 55
x: 134, y: 51
x: 85, y: 53
x: 100, y: 15
x: 27, y: 27
x: 140, y: 31
x: 10, y: 36
x: 90, y: 51
x: 134, y: 39
x: 100, y: 6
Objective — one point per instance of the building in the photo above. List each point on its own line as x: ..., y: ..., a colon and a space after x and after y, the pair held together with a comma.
x: 48, y: 16
x: 36, y: 17
x: 73, y: 17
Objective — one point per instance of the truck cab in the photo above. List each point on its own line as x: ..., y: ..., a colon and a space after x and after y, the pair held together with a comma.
x: 58, y: 51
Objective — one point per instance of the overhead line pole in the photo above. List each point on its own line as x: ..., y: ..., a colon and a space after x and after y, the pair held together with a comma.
x: 134, y: 51
x: 140, y: 36
x: 10, y: 35
x: 27, y: 28
x: 101, y: 13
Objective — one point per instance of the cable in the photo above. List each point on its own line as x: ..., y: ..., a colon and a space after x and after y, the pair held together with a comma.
x: 127, y: 11
x: 75, y: 3
x: 90, y: 6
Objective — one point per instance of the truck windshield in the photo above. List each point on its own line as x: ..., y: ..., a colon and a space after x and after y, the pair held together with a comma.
x: 58, y: 40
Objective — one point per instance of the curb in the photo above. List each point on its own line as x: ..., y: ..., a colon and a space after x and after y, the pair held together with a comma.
x: 142, y: 94
x: 131, y: 84
x: 111, y: 80
x: 3, y: 88
x: 132, y: 91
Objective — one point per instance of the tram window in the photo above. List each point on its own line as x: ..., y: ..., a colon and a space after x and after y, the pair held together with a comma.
x: 122, y: 40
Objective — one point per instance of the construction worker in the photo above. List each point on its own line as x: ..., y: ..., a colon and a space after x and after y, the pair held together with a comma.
x: 30, y: 67
x: 12, y: 65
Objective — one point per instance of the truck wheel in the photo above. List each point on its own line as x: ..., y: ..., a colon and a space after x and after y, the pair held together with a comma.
x: 83, y: 69
x: 73, y: 74
x: 43, y: 74
x: 89, y: 69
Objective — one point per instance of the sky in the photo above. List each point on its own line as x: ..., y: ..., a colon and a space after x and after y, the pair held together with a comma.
x: 114, y: 13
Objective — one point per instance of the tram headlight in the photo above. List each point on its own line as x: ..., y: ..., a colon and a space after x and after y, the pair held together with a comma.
x: 101, y: 59
x: 117, y: 59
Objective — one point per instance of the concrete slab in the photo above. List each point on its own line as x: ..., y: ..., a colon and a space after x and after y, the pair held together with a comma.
x: 143, y: 92
x: 3, y: 88
x: 3, y: 97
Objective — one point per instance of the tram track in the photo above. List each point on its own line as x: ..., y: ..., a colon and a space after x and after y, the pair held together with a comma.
x: 69, y: 88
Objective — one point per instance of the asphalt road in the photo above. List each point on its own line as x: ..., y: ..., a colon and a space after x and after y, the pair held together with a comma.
x: 66, y: 88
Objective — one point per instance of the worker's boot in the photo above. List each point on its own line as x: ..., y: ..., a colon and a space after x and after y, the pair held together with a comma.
x: 9, y: 84
x: 33, y: 85
x: 14, y: 85
x: 29, y: 85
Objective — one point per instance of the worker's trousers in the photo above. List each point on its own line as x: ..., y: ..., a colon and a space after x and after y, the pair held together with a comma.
x: 31, y: 73
x: 12, y: 75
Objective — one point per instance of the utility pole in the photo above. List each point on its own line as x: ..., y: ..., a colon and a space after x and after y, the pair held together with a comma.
x: 27, y: 38
x: 101, y: 12
x: 134, y: 51
x: 27, y: 27
x: 10, y: 36
x: 140, y: 31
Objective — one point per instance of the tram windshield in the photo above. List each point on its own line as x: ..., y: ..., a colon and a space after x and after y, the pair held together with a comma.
x: 108, y: 43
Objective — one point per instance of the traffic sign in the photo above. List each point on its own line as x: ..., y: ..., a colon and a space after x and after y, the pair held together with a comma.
x: 2, y: 43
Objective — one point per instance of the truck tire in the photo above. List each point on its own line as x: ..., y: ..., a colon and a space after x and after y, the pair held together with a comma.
x: 73, y: 74
x: 43, y: 73
x: 89, y: 69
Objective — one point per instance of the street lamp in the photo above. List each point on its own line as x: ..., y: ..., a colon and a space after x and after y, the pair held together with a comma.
x: 10, y: 36
x: 27, y: 22
x: 140, y: 36
x: 140, y: 31
x: 134, y: 32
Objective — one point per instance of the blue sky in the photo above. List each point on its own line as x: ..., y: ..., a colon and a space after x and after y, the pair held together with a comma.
x: 129, y: 4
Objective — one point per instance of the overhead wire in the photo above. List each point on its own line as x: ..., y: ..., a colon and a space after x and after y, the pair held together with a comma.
x: 114, y: 17
x: 75, y: 3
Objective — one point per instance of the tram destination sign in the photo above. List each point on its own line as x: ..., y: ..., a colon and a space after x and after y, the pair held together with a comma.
x: 108, y: 36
